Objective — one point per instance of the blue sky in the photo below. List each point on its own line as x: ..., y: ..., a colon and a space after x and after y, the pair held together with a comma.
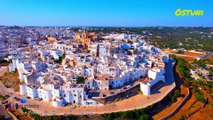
x: 103, y: 12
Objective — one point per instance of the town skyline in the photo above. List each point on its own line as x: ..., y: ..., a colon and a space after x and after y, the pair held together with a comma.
x: 106, y: 59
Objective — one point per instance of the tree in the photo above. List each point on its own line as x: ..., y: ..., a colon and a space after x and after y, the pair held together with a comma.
x: 60, y: 59
x: 124, y: 115
x: 173, y: 99
x: 172, y: 56
x: 177, y: 93
x: 37, y: 117
x: 56, y: 117
x: 109, y: 117
x: 3, y: 61
x: 199, y: 96
x: 200, y: 63
x: 144, y: 117
x: 25, y: 110
x: 180, y: 52
x: 2, y: 117
x: 181, y: 118
x: 80, y: 80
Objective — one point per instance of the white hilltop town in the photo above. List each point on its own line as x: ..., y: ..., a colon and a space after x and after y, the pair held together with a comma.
x: 71, y: 71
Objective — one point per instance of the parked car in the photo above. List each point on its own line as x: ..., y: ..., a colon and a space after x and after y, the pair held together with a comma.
x: 7, y: 86
x: 7, y: 96
x: 15, y: 98
x: 124, y: 88
x: 39, y: 99
x: 4, y: 102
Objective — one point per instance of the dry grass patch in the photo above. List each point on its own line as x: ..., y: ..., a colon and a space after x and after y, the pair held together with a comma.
x: 10, y: 79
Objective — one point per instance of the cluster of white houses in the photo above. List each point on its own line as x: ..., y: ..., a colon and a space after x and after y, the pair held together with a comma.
x: 104, y: 66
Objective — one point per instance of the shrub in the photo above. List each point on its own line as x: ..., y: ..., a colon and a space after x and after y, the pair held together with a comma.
x: 199, y: 96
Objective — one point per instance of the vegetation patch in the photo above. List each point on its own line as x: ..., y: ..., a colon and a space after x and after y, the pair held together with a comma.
x: 138, y: 114
x: 199, y: 96
x: 10, y: 79
x: 59, y: 61
x: 180, y: 52
x: 200, y: 63
x: 80, y: 80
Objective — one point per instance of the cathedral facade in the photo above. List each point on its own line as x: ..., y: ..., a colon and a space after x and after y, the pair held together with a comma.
x: 82, y: 38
